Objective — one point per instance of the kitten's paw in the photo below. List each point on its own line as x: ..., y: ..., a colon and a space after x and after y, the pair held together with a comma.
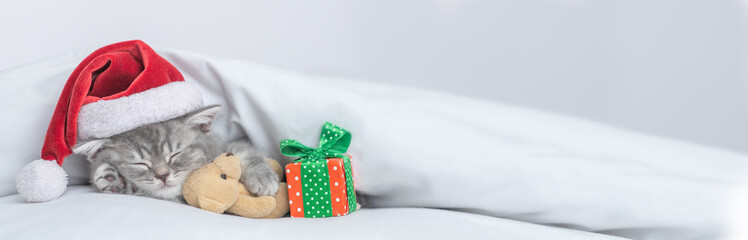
x: 262, y: 183
x: 107, y: 179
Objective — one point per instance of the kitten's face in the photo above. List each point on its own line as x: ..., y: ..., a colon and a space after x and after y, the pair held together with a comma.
x: 157, y: 158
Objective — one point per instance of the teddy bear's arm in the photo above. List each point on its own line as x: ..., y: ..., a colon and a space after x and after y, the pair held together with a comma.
x: 253, y: 207
x: 210, y: 205
x: 281, y: 202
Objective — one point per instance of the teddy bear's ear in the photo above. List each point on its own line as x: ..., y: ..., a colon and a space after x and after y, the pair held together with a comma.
x: 230, y: 165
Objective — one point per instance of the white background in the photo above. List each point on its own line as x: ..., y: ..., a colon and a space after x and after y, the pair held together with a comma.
x: 675, y: 68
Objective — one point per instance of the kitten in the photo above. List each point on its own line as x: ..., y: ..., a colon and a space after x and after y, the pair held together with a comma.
x: 154, y: 160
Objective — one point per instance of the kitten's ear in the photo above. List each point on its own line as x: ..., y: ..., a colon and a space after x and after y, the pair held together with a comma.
x: 203, y: 118
x: 89, y: 148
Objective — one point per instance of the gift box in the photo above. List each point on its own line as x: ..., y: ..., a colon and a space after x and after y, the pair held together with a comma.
x: 320, y: 181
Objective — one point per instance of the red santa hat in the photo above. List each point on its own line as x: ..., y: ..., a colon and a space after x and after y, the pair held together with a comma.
x: 115, y: 89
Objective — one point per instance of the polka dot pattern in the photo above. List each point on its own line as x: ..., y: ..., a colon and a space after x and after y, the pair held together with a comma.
x: 295, y: 200
x: 339, y: 199
x: 318, y: 197
x: 349, y: 184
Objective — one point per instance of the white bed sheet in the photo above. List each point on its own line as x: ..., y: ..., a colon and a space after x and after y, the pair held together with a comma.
x: 84, y: 214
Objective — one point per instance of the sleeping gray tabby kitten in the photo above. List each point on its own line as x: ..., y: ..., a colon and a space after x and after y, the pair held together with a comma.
x: 154, y: 160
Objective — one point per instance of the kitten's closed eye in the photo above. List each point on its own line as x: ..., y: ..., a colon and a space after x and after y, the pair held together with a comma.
x: 171, y: 158
x: 143, y: 165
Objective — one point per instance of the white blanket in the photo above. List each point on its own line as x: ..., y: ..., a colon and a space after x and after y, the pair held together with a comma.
x: 413, y: 148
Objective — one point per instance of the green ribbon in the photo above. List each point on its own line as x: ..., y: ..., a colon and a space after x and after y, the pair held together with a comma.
x: 333, y: 142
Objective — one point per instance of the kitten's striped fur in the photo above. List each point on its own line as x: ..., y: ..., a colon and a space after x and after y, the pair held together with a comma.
x: 154, y: 160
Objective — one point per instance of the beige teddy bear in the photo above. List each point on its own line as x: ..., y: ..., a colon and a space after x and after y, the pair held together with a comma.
x: 215, y: 187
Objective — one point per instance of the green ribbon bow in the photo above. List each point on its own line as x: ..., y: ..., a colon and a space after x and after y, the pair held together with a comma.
x: 333, y: 142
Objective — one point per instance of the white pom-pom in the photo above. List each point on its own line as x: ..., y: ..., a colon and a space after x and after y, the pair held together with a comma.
x: 41, y: 181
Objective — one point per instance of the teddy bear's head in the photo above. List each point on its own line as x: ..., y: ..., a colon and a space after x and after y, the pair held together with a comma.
x: 215, y: 186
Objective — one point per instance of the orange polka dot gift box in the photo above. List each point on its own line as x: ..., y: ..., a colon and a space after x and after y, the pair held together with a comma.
x: 320, y: 181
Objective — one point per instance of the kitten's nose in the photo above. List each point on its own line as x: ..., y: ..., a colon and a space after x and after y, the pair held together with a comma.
x: 163, y: 177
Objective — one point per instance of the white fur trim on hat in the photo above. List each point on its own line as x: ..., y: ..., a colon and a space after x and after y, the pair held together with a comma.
x: 41, y: 181
x: 107, y: 118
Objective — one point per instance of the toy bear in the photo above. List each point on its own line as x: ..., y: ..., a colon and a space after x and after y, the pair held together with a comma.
x: 215, y: 187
